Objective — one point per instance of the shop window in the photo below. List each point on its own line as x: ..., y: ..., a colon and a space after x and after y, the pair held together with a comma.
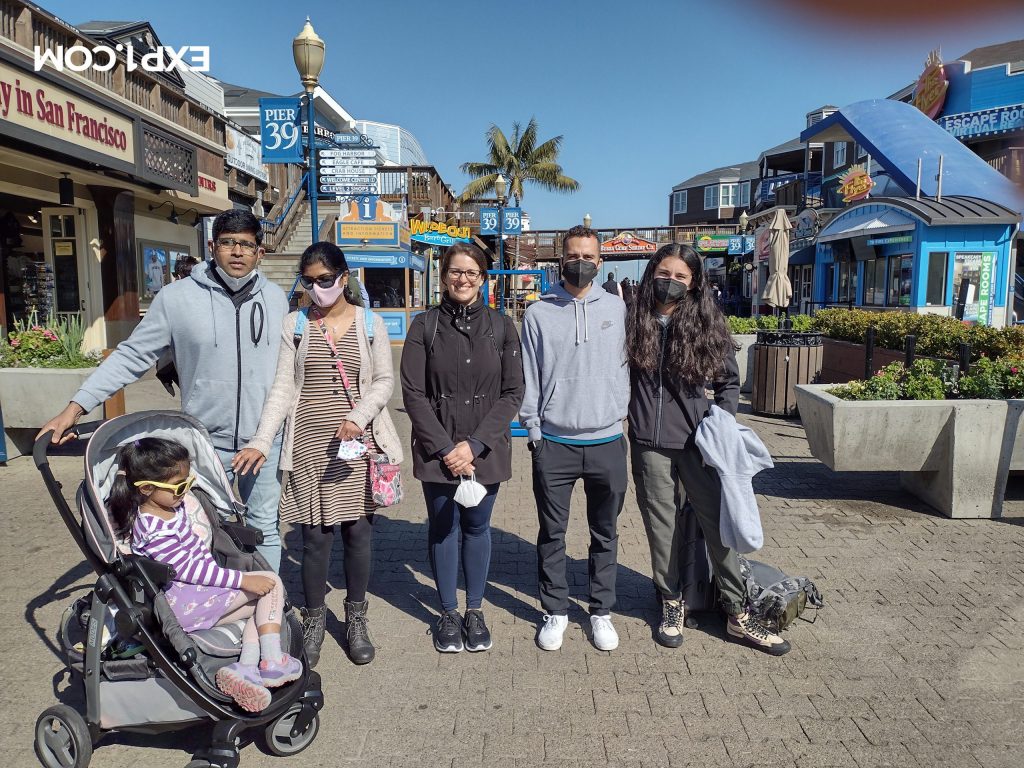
x: 874, y: 282
x: 862, y: 152
x: 386, y: 287
x: 710, y: 197
x: 728, y: 195
x: 847, y: 282
x: 938, y: 267
x: 745, y: 194
x: 839, y: 154
x: 830, y: 283
x: 158, y: 263
x: 679, y: 201
x: 900, y: 268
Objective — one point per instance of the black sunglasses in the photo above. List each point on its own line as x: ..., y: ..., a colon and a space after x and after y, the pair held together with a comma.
x: 327, y: 281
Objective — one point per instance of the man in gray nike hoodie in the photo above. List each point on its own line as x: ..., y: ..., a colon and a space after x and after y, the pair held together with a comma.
x: 222, y: 324
x: 577, y: 393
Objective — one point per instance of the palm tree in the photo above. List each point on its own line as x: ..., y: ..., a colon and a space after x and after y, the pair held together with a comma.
x: 520, y: 160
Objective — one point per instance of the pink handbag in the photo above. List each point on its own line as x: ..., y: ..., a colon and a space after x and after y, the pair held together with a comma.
x: 385, y: 476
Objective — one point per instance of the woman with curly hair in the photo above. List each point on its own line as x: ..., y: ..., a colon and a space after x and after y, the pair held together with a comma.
x: 679, y: 346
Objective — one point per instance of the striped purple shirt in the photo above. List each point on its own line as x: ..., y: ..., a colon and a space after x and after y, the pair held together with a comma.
x: 172, y: 542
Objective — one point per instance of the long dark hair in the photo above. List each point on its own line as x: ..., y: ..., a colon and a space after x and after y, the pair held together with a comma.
x: 698, y: 337
x: 150, y: 458
x: 328, y: 254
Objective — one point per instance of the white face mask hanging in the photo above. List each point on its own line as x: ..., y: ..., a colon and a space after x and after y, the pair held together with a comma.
x: 470, y: 492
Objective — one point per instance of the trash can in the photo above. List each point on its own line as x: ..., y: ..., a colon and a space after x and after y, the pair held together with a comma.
x: 783, y: 359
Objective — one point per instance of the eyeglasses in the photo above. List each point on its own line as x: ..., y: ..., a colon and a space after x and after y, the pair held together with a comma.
x: 327, y: 281
x: 229, y: 243
x: 472, y: 274
x: 177, y: 489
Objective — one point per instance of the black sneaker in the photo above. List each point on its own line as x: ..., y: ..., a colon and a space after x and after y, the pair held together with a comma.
x: 448, y: 632
x: 478, y: 636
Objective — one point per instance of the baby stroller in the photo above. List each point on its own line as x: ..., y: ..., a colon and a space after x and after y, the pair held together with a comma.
x: 168, y: 683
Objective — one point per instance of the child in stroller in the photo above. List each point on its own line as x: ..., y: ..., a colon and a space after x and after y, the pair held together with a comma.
x: 170, y: 684
x: 150, y: 499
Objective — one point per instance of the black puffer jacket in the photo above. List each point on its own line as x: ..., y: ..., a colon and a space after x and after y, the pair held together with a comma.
x: 457, y: 387
x: 663, y: 413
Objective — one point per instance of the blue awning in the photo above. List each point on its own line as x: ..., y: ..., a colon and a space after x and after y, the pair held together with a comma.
x: 804, y: 256
x: 896, y: 135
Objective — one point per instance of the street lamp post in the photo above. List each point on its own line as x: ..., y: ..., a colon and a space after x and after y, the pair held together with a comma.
x: 500, y: 188
x: 308, y: 53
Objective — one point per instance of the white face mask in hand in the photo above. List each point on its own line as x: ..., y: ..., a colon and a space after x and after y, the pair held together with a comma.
x: 470, y: 492
x: 351, y: 449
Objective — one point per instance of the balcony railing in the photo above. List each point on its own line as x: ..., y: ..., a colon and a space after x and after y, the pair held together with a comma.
x: 28, y: 26
x: 1010, y: 163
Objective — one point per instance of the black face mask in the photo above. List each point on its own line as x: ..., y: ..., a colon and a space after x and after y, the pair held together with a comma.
x: 579, y: 273
x: 667, y: 291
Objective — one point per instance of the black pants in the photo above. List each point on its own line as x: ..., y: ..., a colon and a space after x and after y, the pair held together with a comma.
x: 317, y: 540
x: 556, y: 468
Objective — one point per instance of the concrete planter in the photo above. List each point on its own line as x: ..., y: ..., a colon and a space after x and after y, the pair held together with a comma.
x: 29, y: 397
x: 745, y: 359
x: 953, y: 454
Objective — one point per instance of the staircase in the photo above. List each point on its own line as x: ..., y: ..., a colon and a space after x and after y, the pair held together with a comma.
x: 281, y: 266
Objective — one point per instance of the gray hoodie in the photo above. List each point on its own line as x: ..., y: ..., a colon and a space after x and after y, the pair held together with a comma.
x: 225, y: 356
x: 574, y: 362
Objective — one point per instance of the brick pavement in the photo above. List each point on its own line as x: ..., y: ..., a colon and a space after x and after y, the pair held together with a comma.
x: 917, y: 660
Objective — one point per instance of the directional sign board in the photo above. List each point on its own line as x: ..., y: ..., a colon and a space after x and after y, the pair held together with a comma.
x: 280, y: 135
x: 325, y: 153
x: 327, y: 178
x: 330, y: 190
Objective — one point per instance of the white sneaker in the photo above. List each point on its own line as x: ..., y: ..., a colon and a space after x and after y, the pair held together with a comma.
x: 550, y: 636
x: 605, y: 636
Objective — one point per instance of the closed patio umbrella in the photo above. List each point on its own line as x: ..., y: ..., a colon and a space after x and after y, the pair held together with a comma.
x: 778, y: 290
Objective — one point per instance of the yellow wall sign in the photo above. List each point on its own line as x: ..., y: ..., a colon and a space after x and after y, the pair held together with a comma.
x: 418, y: 227
x: 855, y: 184
x: 350, y: 230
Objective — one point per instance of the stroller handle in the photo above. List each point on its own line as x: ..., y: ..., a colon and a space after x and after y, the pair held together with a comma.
x: 42, y: 446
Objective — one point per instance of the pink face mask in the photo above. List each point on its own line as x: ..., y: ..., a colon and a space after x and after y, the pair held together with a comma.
x: 327, y: 297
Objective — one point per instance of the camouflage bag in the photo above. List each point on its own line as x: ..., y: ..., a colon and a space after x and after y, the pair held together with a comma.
x: 774, y: 597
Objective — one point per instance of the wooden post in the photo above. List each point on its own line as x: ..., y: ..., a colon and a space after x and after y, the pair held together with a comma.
x: 114, y: 406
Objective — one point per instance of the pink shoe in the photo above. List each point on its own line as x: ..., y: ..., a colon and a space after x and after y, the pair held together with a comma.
x: 277, y: 673
x: 243, y: 684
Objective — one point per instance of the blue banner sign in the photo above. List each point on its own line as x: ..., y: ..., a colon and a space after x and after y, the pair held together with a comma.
x: 740, y: 244
x: 513, y: 223
x: 280, y: 134
x: 984, y: 122
x: 488, y: 221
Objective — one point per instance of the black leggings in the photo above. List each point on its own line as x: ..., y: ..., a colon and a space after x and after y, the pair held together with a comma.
x: 317, y: 541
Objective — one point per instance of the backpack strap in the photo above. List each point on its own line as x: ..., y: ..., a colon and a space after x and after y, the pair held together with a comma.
x: 497, y: 333
x: 436, y: 312
x: 301, y: 320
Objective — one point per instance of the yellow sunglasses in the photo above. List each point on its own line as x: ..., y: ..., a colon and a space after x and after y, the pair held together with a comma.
x: 177, y: 489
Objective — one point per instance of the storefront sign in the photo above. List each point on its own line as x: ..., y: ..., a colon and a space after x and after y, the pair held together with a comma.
x: 806, y: 224
x: 627, y: 242
x: 35, y: 104
x: 976, y: 270
x: 438, y: 233
x: 891, y: 240
x: 707, y: 243
x: 855, y: 184
x: 382, y: 230
x: 244, y: 154
x: 279, y: 131
x: 930, y: 91
x: 985, y: 289
x: 984, y: 122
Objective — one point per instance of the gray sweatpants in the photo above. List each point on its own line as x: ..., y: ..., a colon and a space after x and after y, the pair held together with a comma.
x: 664, y: 479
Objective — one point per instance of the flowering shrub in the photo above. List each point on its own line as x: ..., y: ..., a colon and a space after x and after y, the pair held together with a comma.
x: 935, y: 380
x: 57, y: 343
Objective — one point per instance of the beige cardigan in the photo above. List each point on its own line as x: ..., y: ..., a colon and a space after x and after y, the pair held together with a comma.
x: 376, y: 382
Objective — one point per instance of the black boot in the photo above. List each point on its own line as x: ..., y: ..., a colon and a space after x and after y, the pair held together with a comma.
x: 357, y: 633
x: 314, y: 623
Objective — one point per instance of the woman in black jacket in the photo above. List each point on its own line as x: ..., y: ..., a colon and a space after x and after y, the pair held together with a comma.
x: 462, y: 382
x: 678, y: 344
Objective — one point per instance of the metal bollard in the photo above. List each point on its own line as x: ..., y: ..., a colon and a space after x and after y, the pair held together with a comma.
x: 869, y: 352
x: 911, y: 348
x: 965, y: 359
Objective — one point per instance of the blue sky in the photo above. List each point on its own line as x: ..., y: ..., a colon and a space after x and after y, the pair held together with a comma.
x: 646, y: 93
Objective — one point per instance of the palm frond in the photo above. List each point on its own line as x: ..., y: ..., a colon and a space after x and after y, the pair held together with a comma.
x: 478, y: 188
x: 478, y: 169
x: 526, y: 143
x: 548, y: 151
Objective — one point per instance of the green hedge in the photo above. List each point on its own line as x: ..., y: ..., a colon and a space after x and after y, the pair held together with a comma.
x: 743, y: 325
x: 937, y: 336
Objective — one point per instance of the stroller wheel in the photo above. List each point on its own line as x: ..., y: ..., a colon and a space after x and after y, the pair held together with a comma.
x: 62, y: 738
x: 280, y: 736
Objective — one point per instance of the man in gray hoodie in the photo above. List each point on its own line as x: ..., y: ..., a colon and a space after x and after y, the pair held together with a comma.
x: 222, y: 325
x: 577, y: 393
